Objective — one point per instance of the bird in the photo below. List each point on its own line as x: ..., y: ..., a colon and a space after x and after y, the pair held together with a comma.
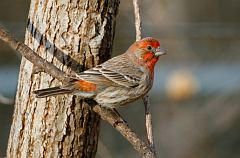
x: 118, y: 81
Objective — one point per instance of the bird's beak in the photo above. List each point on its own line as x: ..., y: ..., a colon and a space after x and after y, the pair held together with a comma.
x: 160, y: 51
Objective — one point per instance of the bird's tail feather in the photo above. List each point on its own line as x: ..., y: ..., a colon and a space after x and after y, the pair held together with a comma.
x: 51, y: 91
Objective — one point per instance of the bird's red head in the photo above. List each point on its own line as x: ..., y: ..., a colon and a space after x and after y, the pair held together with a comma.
x: 147, y: 50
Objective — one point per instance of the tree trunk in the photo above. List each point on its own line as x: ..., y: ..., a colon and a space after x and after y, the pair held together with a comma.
x: 73, y: 35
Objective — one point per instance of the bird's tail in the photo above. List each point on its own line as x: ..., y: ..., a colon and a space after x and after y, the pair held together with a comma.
x: 51, y: 91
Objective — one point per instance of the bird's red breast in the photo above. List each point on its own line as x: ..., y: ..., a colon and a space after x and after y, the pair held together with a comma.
x: 150, y: 60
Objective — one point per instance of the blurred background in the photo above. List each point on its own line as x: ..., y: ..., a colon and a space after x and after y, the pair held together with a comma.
x: 195, y: 100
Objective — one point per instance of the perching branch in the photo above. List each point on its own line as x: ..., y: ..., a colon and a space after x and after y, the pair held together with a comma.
x: 119, y: 124
x: 33, y: 57
x: 148, y: 115
x: 108, y: 115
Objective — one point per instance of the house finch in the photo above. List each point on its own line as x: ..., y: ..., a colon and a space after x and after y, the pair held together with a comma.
x: 118, y: 81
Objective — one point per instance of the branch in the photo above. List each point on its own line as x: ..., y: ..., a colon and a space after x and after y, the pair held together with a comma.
x: 109, y: 115
x: 146, y: 102
x: 119, y: 124
x: 32, y: 56
x: 149, y: 124
x: 138, y: 22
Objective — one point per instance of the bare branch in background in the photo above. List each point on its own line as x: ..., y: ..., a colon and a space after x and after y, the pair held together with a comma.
x: 6, y: 101
x: 109, y: 115
x: 138, y: 22
x: 148, y: 115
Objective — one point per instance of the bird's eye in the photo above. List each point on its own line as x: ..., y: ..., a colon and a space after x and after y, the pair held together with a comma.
x: 149, y: 48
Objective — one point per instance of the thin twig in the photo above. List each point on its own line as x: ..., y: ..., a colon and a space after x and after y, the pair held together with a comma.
x: 109, y: 115
x: 138, y: 22
x: 138, y: 26
x: 148, y: 116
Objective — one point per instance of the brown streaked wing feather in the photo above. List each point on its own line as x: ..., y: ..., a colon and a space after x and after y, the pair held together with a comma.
x: 114, y: 71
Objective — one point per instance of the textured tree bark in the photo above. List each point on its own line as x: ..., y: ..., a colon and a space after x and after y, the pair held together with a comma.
x: 73, y: 35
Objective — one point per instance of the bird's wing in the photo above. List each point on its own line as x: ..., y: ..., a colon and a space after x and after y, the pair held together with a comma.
x: 115, y: 71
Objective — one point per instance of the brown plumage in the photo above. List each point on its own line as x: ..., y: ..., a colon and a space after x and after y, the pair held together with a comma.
x: 118, y: 81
